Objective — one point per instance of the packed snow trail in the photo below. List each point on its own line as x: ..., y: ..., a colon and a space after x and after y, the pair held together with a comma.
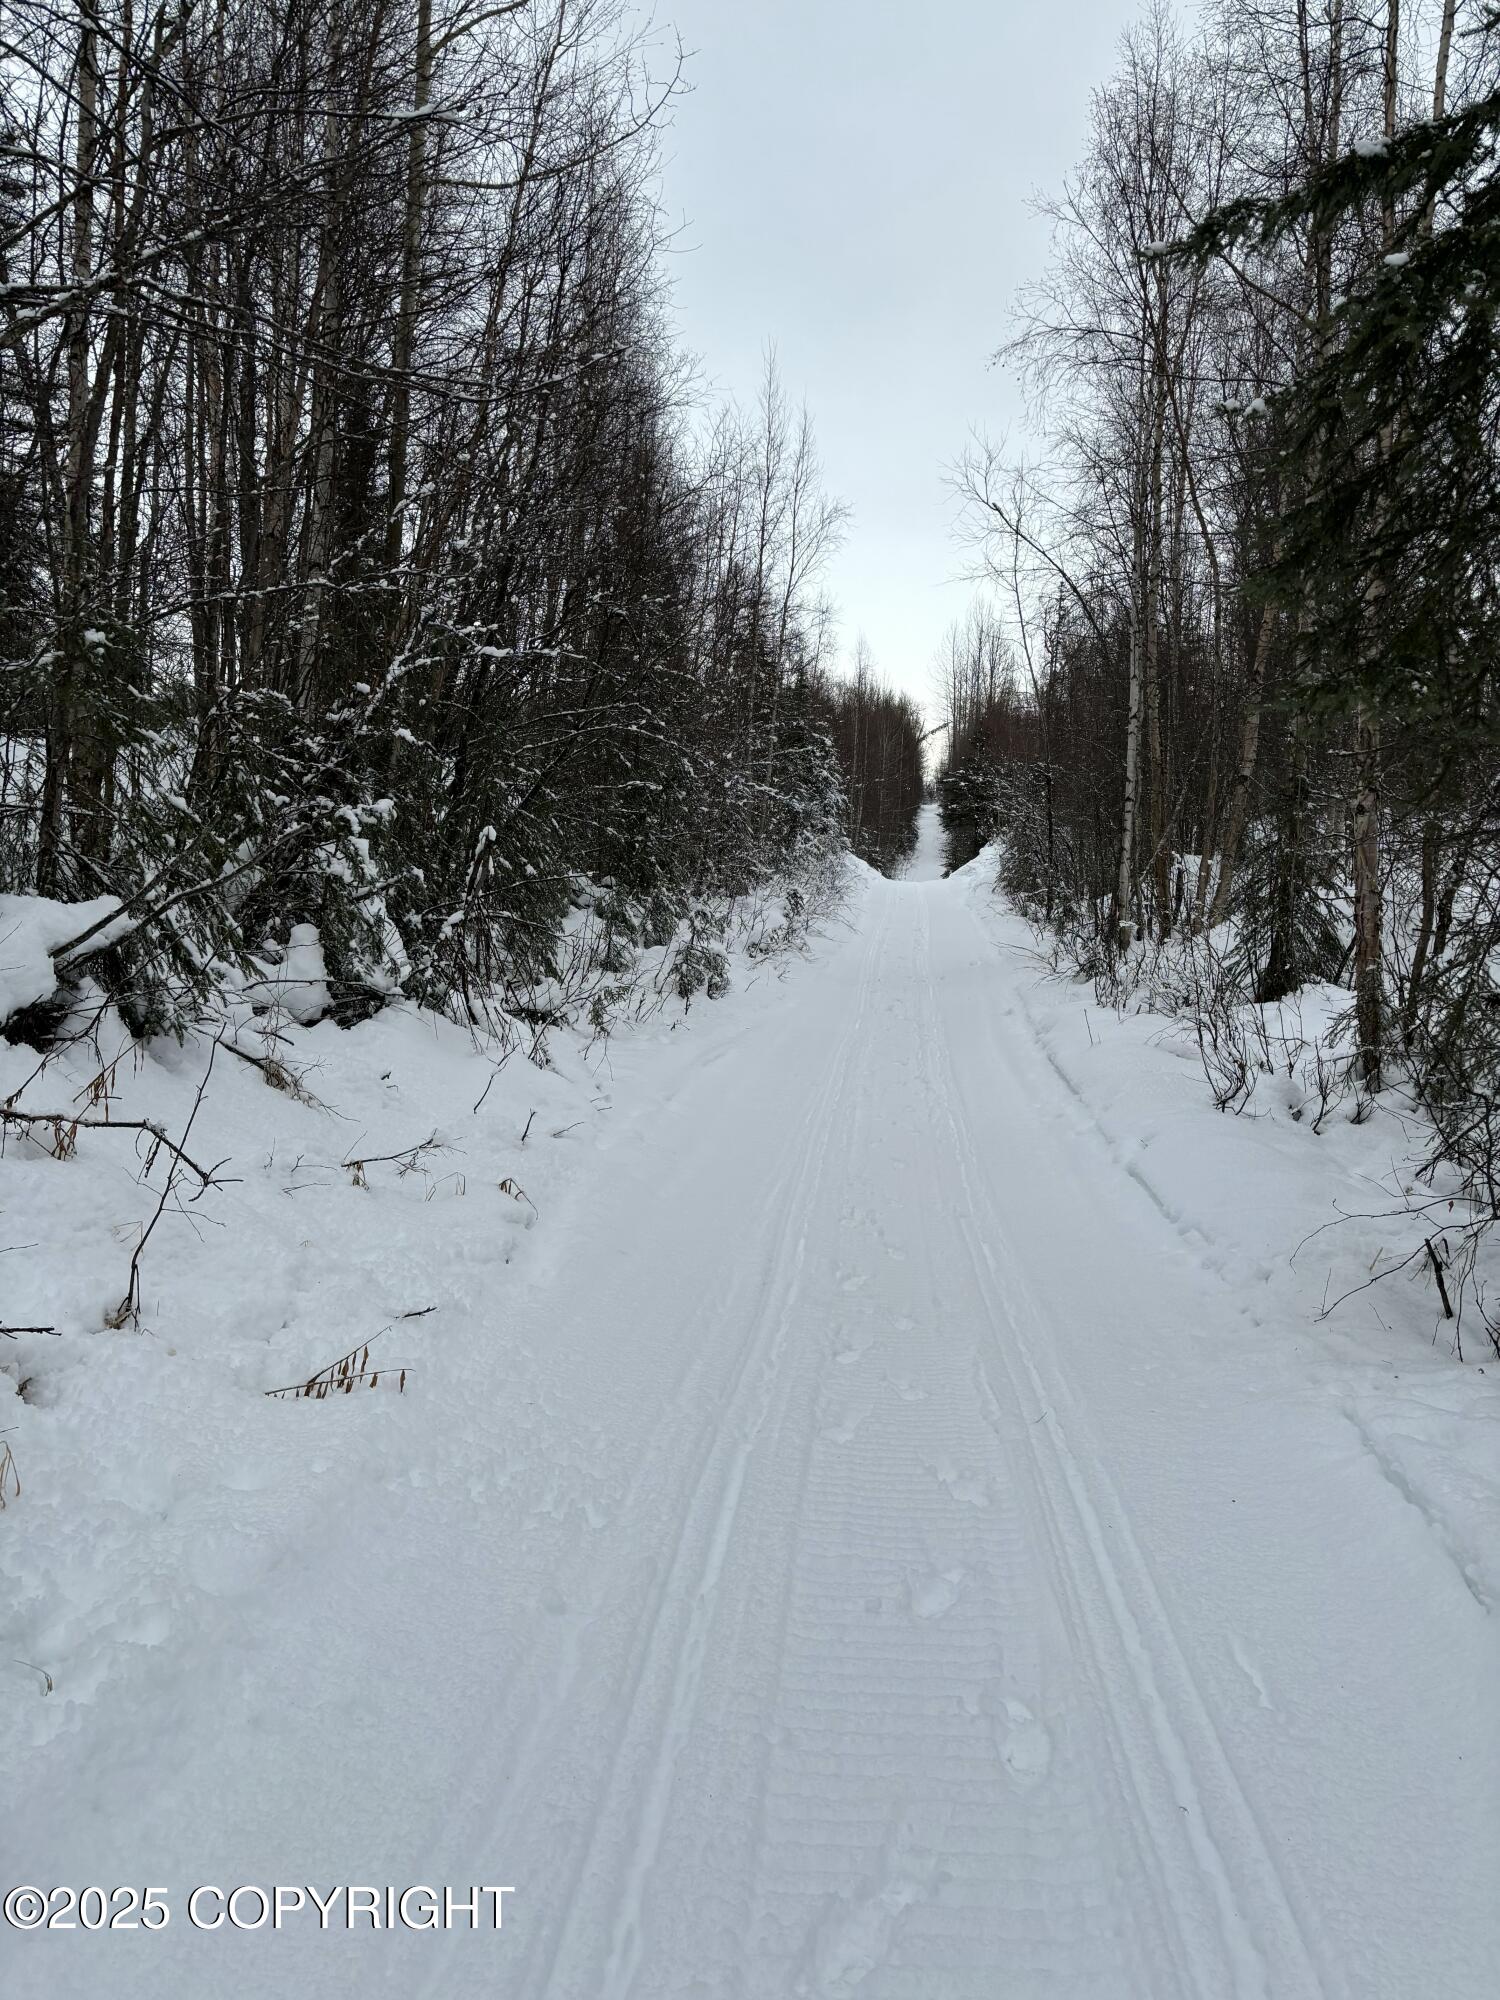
x: 899, y: 1588
x: 927, y: 857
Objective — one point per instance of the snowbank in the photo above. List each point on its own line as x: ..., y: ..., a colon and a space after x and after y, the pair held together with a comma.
x: 31, y: 929
x: 1308, y: 1222
x: 384, y: 1184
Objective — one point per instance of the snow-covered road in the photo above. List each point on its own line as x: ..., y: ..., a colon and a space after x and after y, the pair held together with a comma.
x: 927, y: 857
x: 902, y: 1584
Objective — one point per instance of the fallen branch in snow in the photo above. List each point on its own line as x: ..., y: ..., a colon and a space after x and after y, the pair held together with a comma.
x: 9, y: 1477
x: 65, y: 1125
x: 10, y: 1332
x: 341, y: 1375
x: 407, y: 1159
x: 276, y: 1074
x: 129, y: 917
x: 1437, y: 1272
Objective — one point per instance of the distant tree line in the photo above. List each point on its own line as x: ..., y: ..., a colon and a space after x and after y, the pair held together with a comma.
x: 877, y: 737
x: 365, y: 557
x: 989, y: 733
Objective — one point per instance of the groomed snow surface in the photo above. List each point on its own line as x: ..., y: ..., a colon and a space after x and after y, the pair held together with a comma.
x: 926, y: 863
x: 894, y: 1524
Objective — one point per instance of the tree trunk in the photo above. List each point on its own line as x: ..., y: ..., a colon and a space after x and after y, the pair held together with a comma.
x: 1426, y: 927
x: 1238, y: 810
x: 1369, y: 999
x: 1161, y: 859
x: 1124, y: 926
x: 403, y: 345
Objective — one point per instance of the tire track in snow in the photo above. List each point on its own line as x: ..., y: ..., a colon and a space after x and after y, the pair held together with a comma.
x: 538, y: 1728
x: 1130, y: 1601
x: 691, y: 1578
x: 916, y: 1833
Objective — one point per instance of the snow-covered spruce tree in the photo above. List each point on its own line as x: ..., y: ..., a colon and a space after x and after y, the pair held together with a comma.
x: 1385, y: 565
x: 1388, y: 555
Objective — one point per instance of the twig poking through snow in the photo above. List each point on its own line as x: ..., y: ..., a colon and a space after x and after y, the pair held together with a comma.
x: 339, y: 1376
x: 129, y: 1307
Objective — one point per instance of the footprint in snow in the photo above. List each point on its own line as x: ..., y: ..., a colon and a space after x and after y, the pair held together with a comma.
x: 1025, y: 1746
x: 855, y: 1940
x: 907, y: 1391
x: 843, y: 1431
x: 962, y: 1485
x: 932, y: 1592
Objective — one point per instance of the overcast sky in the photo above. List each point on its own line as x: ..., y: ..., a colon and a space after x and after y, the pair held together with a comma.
x: 855, y: 178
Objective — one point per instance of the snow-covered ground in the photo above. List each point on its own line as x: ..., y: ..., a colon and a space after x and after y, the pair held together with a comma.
x: 926, y: 864
x: 893, y: 1523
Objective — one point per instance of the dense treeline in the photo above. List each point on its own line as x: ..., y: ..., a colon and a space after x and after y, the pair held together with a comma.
x: 364, y: 558
x: 1233, y: 691
x: 877, y: 736
x: 1245, y: 690
x: 990, y: 732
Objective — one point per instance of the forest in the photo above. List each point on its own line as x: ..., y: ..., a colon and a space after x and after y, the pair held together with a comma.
x: 1229, y: 696
x: 721, y: 1294
x: 371, y: 557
